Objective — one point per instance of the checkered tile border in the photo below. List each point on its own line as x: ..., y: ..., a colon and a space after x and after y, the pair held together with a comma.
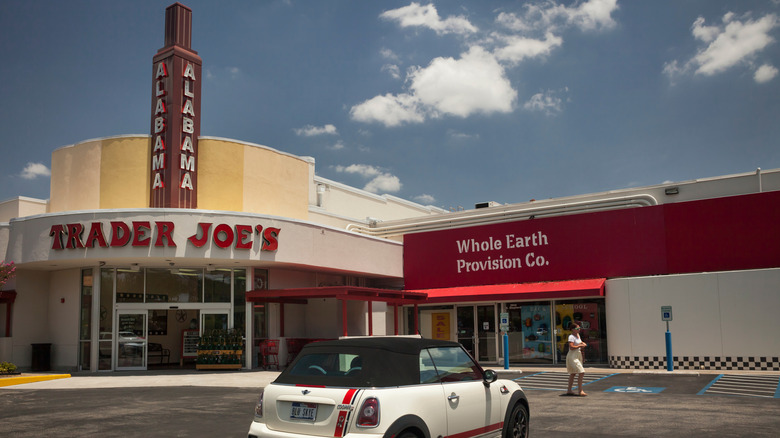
x: 697, y: 363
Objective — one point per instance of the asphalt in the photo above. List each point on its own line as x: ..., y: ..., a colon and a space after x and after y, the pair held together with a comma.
x: 252, y: 378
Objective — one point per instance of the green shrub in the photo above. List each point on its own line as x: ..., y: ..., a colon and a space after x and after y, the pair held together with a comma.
x: 7, y: 368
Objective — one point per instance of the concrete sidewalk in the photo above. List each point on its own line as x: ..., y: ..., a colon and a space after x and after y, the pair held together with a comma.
x: 256, y: 378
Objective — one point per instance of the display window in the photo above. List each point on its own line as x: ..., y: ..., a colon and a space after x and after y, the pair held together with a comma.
x: 591, y: 316
x: 530, y: 332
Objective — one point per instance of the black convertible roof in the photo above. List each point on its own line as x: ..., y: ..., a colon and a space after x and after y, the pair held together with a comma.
x: 386, y: 361
x: 395, y: 344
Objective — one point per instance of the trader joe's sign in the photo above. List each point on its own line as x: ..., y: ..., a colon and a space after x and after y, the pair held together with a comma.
x: 160, y: 234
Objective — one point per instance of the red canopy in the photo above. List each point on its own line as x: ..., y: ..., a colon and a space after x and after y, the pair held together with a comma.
x: 551, y: 290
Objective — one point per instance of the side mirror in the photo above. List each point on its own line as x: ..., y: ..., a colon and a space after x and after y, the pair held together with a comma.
x: 489, y: 377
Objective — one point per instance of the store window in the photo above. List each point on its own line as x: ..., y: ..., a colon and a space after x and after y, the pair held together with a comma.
x: 530, y: 332
x: 239, y: 300
x: 217, y: 286
x: 179, y: 285
x: 85, y: 319
x: 105, y: 349
x: 129, y: 286
x: 260, y: 310
x: 591, y: 316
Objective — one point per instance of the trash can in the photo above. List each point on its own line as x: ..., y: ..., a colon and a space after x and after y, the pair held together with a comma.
x: 41, y: 357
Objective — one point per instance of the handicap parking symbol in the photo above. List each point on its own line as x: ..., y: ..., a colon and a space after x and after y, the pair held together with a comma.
x: 635, y: 389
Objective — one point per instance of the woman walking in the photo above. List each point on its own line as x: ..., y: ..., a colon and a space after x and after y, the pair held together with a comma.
x: 574, y: 359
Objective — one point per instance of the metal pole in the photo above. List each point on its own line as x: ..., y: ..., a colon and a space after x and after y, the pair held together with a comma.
x: 506, y: 350
x: 669, y: 357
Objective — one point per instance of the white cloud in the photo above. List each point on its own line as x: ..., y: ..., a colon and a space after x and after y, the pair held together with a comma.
x: 388, y: 54
x: 726, y: 45
x: 765, y: 73
x: 384, y: 183
x: 416, y: 15
x: 546, y: 102
x: 474, y: 83
x: 381, y: 182
x: 339, y: 145
x: 424, y: 199
x: 311, y: 131
x: 389, y: 109
x: 519, y: 48
x: 477, y: 81
x: 551, y: 17
x: 34, y: 170
x: 393, y: 70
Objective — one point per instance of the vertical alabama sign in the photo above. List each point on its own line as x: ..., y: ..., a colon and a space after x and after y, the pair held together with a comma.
x: 175, y: 123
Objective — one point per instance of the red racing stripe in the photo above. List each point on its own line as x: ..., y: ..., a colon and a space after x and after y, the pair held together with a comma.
x: 478, y: 431
x: 342, y: 420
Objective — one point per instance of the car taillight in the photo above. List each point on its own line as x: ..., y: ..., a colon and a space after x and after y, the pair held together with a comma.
x: 259, y: 406
x: 369, y: 413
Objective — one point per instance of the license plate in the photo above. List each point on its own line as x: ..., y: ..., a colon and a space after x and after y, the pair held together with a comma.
x: 303, y: 411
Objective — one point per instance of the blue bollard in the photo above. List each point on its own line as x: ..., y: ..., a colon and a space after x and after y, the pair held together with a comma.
x: 506, y: 351
x: 669, y: 357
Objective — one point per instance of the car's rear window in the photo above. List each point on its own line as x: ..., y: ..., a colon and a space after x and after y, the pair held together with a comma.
x: 352, y: 367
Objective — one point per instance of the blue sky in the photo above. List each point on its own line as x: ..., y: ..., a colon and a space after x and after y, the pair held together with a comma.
x: 447, y: 103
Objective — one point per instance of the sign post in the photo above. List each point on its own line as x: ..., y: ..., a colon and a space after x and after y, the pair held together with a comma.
x: 505, y: 328
x: 666, y: 315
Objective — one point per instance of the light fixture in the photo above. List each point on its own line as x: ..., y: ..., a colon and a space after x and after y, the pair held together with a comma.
x: 134, y: 267
x: 672, y: 190
x: 210, y: 268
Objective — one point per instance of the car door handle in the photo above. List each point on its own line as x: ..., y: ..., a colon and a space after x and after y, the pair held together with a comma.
x: 453, y: 396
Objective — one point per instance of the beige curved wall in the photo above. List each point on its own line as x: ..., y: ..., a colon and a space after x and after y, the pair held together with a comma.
x: 235, y: 176
x: 113, y: 172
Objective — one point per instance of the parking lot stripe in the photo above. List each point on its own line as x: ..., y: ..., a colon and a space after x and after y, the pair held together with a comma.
x: 766, y: 386
x: 555, y: 381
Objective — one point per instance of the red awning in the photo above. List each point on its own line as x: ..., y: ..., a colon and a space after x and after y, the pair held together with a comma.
x: 552, y: 290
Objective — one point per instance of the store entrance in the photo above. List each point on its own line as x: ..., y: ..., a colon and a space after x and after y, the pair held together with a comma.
x: 477, y: 331
x: 131, y: 340
x: 154, y: 338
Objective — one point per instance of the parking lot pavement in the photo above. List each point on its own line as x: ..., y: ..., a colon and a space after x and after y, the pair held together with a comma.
x: 761, y: 384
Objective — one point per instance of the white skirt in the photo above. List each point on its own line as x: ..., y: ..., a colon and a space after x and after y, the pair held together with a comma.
x: 574, y: 362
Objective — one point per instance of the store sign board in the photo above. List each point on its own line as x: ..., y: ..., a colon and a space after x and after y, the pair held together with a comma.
x: 731, y: 233
x: 560, y: 248
x: 160, y: 234
x: 175, y: 118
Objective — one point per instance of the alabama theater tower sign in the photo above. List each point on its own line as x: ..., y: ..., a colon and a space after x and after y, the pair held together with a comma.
x: 175, y: 124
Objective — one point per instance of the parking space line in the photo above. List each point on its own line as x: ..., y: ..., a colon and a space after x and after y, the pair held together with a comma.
x: 765, y: 386
x: 555, y: 381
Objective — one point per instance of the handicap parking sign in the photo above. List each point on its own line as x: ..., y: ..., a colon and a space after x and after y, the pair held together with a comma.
x: 635, y: 389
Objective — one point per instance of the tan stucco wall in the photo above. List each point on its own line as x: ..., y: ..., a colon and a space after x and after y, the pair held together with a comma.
x: 75, y: 177
x: 113, y: 173
x: 220, y: 175
x: 235, y: 176
x: 101, y: 174
x: 124, y: 173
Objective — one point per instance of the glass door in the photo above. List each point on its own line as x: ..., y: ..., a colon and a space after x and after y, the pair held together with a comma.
x: 211, y: 320
x: 466, y: 328
x: 486, y: 328
x: 131, y: 340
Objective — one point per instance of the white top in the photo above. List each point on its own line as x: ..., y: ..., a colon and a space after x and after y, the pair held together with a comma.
x: 575, y: 339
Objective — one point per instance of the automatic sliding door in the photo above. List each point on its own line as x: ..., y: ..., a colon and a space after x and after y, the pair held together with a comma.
x: 131, y: 340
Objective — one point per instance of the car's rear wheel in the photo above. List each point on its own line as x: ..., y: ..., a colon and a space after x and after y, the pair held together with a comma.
x: 518, y: 422
x: 408, y: 434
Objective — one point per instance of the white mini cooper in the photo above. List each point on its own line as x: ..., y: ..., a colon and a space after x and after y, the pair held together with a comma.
x: 392, y: 387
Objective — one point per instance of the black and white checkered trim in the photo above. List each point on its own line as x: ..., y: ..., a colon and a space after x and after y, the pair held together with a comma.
x: 697, y: 363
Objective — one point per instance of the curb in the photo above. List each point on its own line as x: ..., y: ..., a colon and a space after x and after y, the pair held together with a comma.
x: 9, y: 381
